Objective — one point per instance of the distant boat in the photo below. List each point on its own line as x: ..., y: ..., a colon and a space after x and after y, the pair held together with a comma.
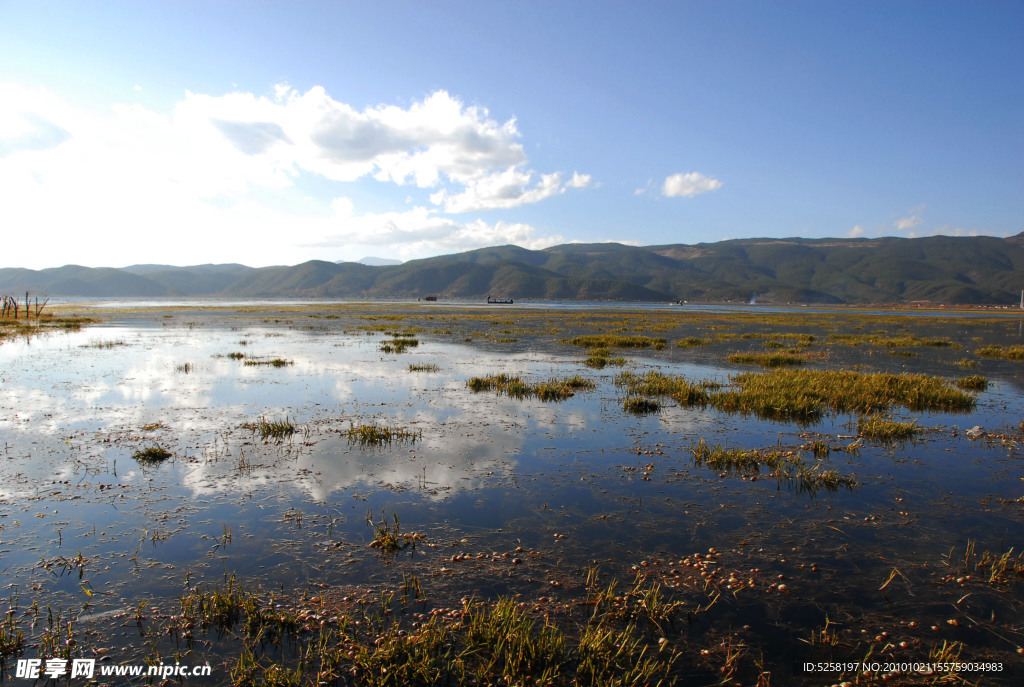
x: 499, y: 301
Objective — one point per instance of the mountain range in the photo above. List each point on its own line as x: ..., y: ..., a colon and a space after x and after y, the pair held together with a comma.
x: 938, y: 269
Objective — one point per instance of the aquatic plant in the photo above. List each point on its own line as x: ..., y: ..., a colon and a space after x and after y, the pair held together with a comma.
x: 1015, y: 353
x: 691, y: 342
x: 273, y: 362
x: 376, y: 435
x: 638, y: 405
x: 423, y: 367
x: 882, y: 428
x: 550, y: 390
x: 616, y: 341
x: 399, y: 344
x: 767, y: 359
x: 152, y: 454
x: 277, y: 429
x: 972, y: 383
x: 387, y: 536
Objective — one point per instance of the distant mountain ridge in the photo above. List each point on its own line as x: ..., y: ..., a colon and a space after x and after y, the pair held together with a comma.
x: 939, y: 269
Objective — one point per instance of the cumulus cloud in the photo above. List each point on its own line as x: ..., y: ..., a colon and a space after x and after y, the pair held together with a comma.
x: 689, y: 184
x: 856, y: 232
x: 421, y: 231
x: 216, y: 167
x: 507, y: 189
x: 912, y: 220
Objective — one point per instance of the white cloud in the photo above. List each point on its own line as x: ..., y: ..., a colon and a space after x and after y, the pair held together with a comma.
x: 911, y: 221
x: 507, y: 189
x: 578, y: 180
x: 689, y: 184
x: 856, y: 232
x: 99, y: 185
x: 421, y: 231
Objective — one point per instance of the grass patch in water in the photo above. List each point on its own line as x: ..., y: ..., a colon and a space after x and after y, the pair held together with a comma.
x: 1006, y: 353
x: 152, y: 454
x: 617, y: 341
x: 767, y: 359
x: 272, y: 362
x: 277, y: 429
x: 885, y: 429
x: 551, y: 390
x: 784, y: 465
x: 423, y: 367
x: 378, y: 435
x: 638, y: 405
x: 399, y: 344
x: 972, y: 383
x: 656, y: 383
x: 691, y: 342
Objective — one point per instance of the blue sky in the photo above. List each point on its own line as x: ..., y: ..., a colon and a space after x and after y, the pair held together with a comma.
x: 277, y: 132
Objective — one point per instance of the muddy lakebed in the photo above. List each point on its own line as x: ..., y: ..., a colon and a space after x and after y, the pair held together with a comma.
x: 252, y: 487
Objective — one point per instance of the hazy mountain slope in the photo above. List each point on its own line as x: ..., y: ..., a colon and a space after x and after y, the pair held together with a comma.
x: 939, y: 269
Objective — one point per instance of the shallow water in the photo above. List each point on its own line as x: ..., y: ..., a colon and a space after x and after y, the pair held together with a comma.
x: 486, y: 473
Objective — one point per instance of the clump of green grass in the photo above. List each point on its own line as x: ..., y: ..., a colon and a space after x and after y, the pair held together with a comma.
x: 617, y: 341
x: 972, y: 383
x: 276, y: 429
x: 806, y: 394
x: 601, y: 357
x: 184, y: 368
x: 638, y: 405
x: 785, y: 465
x: 114, y: 343
x: 691, y: 342
x: 236, y: 355
x: 885, y: 429
x: 1006, y: 353
x: 273, y: 362
x: 12, y: 639
x: 152, y: 454
x: 550, y: 390
x: 378, y: 435
x: 767, y: 359
x: 906, y: 341
x: 423, y: 367
x: 965, y: 362
x: 995, y: 568
x: 399, y: 344
x: 387, y: 536
x: 655, y: 383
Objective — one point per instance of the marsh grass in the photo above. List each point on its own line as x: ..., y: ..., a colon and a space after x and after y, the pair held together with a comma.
x: 638, y: 405
x: 780, y: 359
x: 478, y: 643
x: 881, y: 428
x: 785, y: 465
x: 152, y: 454
x: 972, y: 383
x: 399, y: 344
x: 691, y: 342
x: 1015, y: 353
x: 107, y: 344
x: 551, y: 390
x: 655, y: 383
x: 423, y: 367
x: 601, y: 357
x: 806, y: 394
x: 12, y: 638
x: 905, y: 341
x: 387, y: 535
x: 271, y: 429
x: 272, y: 362
x: 617, y: 341
x: 993, y: 567
x: 378, y: 435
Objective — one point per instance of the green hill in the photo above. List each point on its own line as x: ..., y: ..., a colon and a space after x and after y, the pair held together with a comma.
x: 940, y: 269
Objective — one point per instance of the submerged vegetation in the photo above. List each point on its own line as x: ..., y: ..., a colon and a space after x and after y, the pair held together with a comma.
x: 886, y: 429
